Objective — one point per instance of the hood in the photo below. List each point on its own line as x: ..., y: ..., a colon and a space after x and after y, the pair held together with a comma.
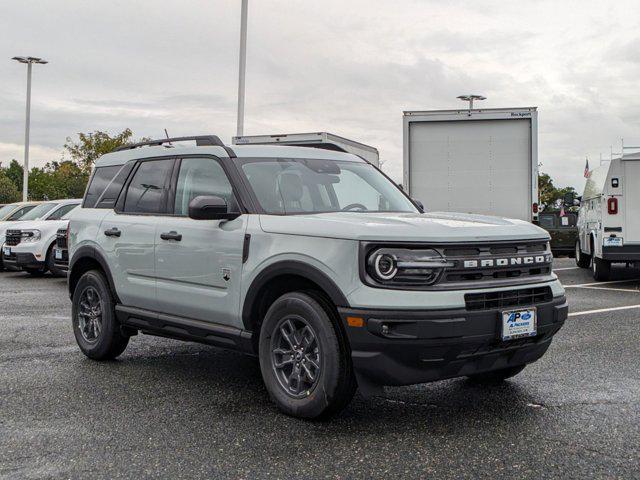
x: 409, y: 227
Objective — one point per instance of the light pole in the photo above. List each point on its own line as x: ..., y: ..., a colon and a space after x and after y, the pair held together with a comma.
x: 242, y: 66
x: 25, y: 175
x: 470, y: 99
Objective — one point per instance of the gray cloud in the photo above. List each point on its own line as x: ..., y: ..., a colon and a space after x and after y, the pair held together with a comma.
x: 347, y: 67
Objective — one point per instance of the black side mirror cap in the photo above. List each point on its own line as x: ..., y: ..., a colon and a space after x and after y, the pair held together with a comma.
x: 418, y: 204
x: 209, y: 207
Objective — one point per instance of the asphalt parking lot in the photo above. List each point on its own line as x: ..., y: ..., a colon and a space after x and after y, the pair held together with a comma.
x: 179, y: 410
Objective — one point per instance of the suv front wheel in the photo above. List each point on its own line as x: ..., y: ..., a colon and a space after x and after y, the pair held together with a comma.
x: 95, y: 326
x: 305, y: 362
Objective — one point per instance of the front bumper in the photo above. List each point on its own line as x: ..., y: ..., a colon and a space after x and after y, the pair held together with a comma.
x: 424, y: 346
x: 19, y: 260
x: 61, y: 259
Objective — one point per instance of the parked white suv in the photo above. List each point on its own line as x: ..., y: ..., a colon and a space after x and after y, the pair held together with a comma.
x: 311, y: 259
x: 29, y: 243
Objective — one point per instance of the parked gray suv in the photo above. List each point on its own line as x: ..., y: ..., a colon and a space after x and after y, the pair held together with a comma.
x: 311, y: 259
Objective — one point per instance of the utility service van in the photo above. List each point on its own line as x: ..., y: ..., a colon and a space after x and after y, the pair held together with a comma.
x: 609, y: 217
x: 482, y: 161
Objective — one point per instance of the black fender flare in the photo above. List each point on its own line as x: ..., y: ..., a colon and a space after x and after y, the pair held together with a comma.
x: 89, y: 251
x: 290, y: 267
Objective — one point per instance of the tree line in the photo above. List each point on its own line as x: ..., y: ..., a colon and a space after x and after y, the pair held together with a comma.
x: 64, y: 178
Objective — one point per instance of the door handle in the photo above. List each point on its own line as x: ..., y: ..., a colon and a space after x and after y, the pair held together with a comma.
x: 114, y: 232
x: 172, y: 235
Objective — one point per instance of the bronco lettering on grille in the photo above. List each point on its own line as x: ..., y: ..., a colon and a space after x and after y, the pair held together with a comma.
x: 506, y: 262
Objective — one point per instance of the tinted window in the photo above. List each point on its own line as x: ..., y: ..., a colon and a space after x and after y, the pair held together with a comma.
x: 62, y: 211
x: 110, y: 195
x: 148, y: 188
x: 101, y: 178
x: 202, y: 176
x: 21, y: 212
x: 547, y: 221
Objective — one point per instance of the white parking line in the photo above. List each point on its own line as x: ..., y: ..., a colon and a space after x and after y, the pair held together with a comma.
x: 566, y: 268
x: 602, y: 310
x: 613, y: 289
x: 601, y: 283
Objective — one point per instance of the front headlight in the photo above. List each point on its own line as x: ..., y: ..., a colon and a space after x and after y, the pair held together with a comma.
x: 30, y: 236
x: 405, y: 267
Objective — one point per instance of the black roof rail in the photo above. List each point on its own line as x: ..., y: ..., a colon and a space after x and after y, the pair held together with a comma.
x: 201, y: 141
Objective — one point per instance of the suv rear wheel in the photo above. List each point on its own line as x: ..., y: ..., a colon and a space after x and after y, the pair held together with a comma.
x: 95, y: 326
x: 305, y: 362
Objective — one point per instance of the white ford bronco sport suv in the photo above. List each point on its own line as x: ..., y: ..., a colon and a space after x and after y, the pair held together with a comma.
x: 29, y: 244
x: 311, y: 259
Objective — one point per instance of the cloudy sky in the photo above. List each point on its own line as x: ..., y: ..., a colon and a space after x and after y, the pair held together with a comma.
x: 350, y: 67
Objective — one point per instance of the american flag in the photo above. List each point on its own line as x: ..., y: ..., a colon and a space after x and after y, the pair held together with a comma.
x: 586, y: 169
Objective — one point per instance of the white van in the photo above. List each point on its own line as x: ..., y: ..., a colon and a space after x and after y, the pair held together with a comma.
x: 609, y: 217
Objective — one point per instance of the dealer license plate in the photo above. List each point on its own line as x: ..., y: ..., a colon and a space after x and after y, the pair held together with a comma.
x: 519, y: 323
x: 6, y: 251
x: 57, y: 254
x: 613, y: 241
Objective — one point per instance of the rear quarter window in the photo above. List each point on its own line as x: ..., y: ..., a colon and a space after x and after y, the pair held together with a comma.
x: 100, y: 179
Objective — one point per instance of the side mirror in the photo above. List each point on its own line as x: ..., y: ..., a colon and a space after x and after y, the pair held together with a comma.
x: 418, y: 204
x: 208, y: 207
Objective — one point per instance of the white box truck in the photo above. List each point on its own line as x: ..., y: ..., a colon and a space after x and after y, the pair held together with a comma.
x: 609, y: 217
x: 482, y: 161
x: 325, y: 140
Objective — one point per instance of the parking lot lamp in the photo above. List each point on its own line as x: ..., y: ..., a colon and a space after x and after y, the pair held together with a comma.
x: 25, y: 175
x: 470, y: 99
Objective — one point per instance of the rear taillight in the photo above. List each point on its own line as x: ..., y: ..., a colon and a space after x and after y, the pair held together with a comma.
x: 612, y: 206
x: 534, y: 207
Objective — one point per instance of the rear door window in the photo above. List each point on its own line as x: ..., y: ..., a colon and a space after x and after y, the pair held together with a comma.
x: 147, y: 192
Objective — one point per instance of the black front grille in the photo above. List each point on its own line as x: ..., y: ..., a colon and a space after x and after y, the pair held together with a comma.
x: 508, y: 298
x: 13, y: 237
x: 495, y: 262
x: 61, y: 238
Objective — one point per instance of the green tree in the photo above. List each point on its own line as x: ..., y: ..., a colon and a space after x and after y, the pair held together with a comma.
x: 549, y: 194
x: 8, y: 191
x: 14, y: 173
x: 89, y: 146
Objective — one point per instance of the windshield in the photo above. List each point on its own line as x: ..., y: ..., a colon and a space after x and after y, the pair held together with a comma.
x: 286, y: 186
x: 6, y: 210
x: 39, y: 211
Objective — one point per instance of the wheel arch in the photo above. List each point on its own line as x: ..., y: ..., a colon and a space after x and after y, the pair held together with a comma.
x: 282, y: 277
x: 88, y: 258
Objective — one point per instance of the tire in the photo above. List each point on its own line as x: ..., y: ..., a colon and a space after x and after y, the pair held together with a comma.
x: 314, y: 339
x: 601, y: 269
x: 101, y: 338
x: 582, y: 259
x: 497, y: 376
